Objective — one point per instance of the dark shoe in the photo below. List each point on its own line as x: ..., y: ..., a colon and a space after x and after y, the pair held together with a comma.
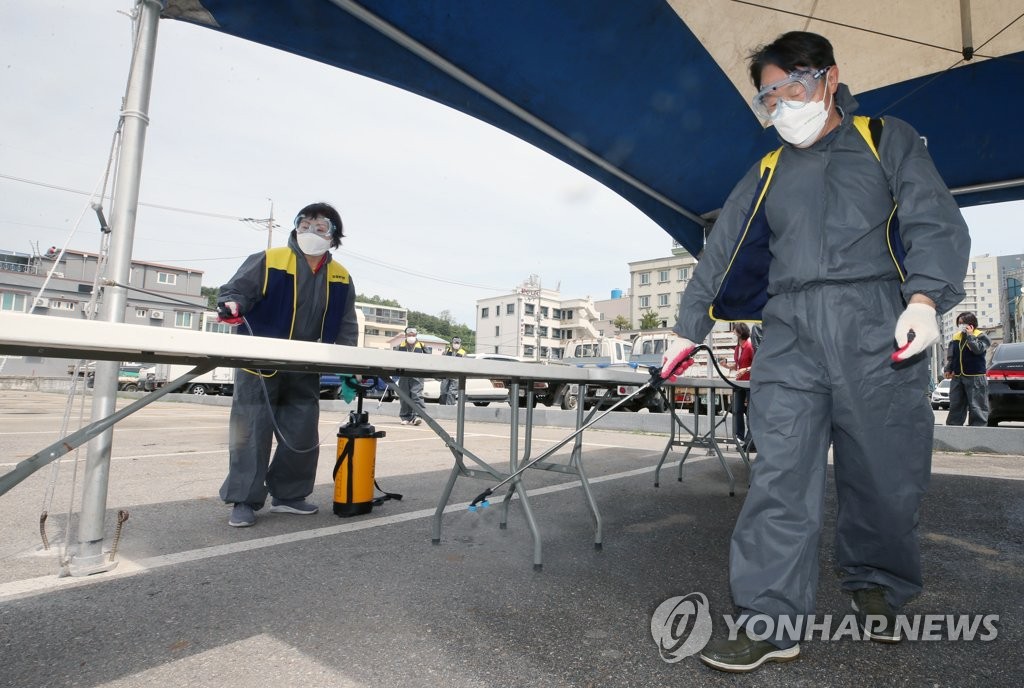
x: 242, y: 516
x: 744, y: 654
x: 293, y: 506
x: 876, y: 615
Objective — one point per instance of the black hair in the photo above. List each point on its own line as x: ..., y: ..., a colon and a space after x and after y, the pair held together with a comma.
x: 790, y: 51
x: 322, y: 209
x: 967, y: 318
x: 742, y: 330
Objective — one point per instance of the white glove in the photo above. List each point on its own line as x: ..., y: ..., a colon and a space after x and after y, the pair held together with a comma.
x: 918, y: 318
x: 675, y: 361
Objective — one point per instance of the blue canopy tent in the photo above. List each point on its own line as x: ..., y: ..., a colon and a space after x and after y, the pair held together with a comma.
x: 650, y: 96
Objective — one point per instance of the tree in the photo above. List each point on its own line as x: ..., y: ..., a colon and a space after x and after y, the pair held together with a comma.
x: 621, y: 323
x: 650, y: 320
x: 377, y: 300
x: 211, y: 296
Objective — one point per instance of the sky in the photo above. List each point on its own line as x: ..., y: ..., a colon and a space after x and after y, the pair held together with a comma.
x: 439, y: 209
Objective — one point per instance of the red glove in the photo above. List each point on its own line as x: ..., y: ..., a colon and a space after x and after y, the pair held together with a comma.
x: 677, y: 359
x: 227, y: 312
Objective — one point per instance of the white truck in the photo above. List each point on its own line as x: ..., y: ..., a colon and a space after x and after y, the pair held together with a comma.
x: 216, y: 381
x: 649, y: 349
x: 607, y: 352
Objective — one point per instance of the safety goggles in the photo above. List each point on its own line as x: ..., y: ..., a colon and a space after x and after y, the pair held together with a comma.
x: 794, y: 92
x: 316, y: 225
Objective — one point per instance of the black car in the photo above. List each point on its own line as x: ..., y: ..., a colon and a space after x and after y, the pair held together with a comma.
x: 1006, y: 384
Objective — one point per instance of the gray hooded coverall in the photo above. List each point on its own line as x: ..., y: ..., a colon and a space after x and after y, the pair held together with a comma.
x: 292, y: 399
x: 823, y: 374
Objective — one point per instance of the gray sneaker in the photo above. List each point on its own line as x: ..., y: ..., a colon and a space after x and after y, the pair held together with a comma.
x: 875, y: 615
x: 293, y: 506
x: 242, y: 516
x: 415, y: 421
x: 744, y: 654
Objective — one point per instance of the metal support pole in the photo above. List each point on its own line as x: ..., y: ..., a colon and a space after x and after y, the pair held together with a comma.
x: 88, y: 557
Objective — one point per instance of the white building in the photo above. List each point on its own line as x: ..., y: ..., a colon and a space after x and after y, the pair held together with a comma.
x: 982, y: 286
x: 657, y: 284
x: 532, y: 322
x: 382, y: 324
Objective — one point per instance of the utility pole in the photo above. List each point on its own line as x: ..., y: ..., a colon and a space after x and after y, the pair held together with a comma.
x: 265, y: 222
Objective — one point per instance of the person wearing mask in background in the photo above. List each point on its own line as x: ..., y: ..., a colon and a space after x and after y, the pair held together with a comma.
x: 965, y: 370
x: 742, y: 360
x: 413, y: 386
x: 450, y: 386
x: 803, y: 244
x: 296, y: 292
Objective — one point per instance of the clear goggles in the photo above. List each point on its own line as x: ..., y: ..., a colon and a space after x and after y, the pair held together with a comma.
x: 315, y: 225
x: 794, y: 92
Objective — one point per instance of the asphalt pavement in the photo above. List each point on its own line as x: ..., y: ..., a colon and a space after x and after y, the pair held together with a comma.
x: 369, y: 601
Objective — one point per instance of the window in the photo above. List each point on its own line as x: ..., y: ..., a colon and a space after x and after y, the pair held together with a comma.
x: 645, y: 301
x: 528, y: 308
x: 683, y: 274
x: 84, y: 288
x: 662, y: 300
x: 543, y: 311
x: 679, y: 298
x: 140, y: 312
x: 645, y: 278
x: 183, y: 319
x: 528, y: 351
x: 542, y: 330
x: 12, y: 302
x: 62, y: 305
x: 166, y: 278
x: 544, y: 352
x: 567, y: 314
x: 484, y: 312
x: 510, y: 309
x: 663, y: 275
x: 497, y: 332
x: 219, y: 327
x: 528, y: 330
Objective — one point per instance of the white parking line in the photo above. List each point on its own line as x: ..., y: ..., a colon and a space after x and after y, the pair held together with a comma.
x: 125, y: 568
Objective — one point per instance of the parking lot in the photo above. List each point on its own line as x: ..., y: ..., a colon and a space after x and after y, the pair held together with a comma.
x: 369, y: 601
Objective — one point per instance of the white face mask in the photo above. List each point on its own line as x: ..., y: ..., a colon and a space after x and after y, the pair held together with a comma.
x: 312, y: 244
x: 411, y: 340
x: 801, y: 126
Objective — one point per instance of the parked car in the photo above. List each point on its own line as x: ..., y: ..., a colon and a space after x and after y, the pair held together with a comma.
x: 479, y: 391
x: 940, y: 395
x: 1006, y: 384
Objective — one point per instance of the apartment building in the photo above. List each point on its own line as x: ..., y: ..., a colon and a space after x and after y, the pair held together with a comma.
x: 69, y: 278
x: 657, y: 285
x: 532, y: 322
x: 382, y: 324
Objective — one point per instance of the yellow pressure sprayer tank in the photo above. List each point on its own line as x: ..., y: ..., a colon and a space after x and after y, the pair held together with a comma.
x: 354, y: 480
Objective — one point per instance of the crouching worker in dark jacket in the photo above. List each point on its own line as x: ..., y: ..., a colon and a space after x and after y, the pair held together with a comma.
x: 295, y: 292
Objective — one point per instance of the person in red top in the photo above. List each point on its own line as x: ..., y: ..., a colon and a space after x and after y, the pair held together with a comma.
x: 742, y: 359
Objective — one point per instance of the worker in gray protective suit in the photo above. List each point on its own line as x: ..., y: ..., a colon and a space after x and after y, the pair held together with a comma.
x: 805, y: 243
x: 295, y: 292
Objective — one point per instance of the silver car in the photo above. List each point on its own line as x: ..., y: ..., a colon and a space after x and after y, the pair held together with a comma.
x: 940, y: 395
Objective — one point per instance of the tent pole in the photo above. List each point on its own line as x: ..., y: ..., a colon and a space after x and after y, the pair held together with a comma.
x: 88, y: 558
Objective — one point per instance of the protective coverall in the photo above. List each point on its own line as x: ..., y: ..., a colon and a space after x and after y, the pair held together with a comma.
x: 413, y: 386
x: 823, y: 374
x: 450, y: 386
x: 968, y: 387
x: 284, y: 298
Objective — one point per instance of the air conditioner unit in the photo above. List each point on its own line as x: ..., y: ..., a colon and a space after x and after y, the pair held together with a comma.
x: 41, y: 302
x: 156, y: 315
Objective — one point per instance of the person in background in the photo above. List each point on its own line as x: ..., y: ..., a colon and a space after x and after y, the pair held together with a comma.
x: 413, y: 386
x: 803, y: 244
x: 965, y: 370
x: 450, y: 386
x: 297, y: 292
x: 742, y: 360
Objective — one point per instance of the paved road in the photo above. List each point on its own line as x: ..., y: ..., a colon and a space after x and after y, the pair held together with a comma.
x: 370, y: 602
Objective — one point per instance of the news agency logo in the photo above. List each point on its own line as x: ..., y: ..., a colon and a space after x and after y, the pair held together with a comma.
x: 681, y: 626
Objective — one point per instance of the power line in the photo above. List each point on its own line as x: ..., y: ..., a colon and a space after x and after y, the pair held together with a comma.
x: 45, y: 185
